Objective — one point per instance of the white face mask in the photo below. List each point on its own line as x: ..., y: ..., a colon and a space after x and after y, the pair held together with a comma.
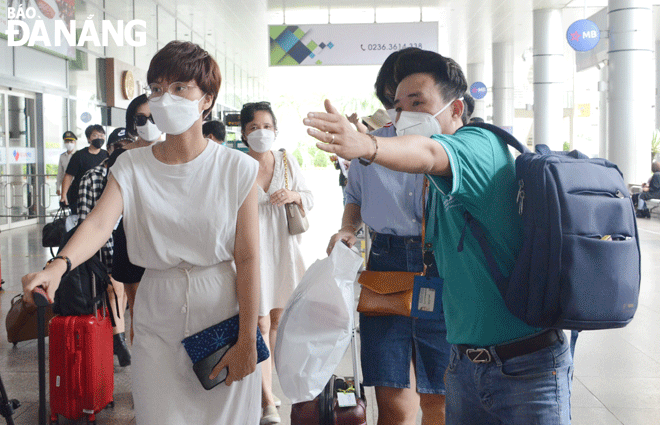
x: 148, y: 132
x: 419, y: 123
x: 261, y: 140
x: 69, y: 146
x: 174, y: 116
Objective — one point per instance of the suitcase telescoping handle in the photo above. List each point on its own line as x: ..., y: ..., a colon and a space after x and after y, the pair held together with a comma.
x: 356, y: 377
x: 41, y: 300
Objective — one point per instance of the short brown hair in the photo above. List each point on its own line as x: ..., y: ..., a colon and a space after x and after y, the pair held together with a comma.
x: 186, y: 61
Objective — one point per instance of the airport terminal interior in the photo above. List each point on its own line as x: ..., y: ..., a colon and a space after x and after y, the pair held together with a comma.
x: 572, y: 74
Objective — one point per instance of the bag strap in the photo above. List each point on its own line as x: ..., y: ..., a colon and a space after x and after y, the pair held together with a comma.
x: 545, y: 150
x: 502, y: 134
x: 424, y: 250
x: 480, y: 235
x: 286, y: 165
x: 517, y: 145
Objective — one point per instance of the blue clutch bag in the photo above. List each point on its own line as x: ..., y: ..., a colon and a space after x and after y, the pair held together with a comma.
x: 206, y: 342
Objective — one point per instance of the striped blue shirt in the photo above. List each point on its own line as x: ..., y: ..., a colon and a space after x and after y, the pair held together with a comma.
x: 390, y: 201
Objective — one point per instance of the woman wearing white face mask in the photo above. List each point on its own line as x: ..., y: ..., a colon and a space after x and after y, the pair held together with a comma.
x: 191, y: 219
x: 140, y: 123
x: 282, y: 264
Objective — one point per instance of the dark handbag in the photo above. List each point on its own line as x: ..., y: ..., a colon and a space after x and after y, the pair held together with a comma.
x: 390, y: 293
x: 52, y: 233
x: 83, y: 288
x: 21, y: 321
x: 207, y: 347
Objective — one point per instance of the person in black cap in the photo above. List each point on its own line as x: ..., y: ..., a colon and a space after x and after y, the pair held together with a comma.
x: 92, y: 185
x: 80, y: 162
x: 69, y: 138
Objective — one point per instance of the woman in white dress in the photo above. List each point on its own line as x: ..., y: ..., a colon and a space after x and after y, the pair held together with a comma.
x: 282, y: 264
x: 191, y: 219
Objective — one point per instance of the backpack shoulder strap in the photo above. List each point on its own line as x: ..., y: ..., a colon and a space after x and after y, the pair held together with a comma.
x: 480, y: 235
x: 502, y: 134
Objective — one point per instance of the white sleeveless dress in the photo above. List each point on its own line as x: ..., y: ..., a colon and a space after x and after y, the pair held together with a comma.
x: 180, y: 223
x: 282, y: 264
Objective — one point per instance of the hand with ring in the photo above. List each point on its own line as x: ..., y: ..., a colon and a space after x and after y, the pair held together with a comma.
x: 285, y: 196
x: 337, y: 135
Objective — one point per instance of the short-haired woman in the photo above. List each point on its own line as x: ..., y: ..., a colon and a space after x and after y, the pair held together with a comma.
x: 191, y: 218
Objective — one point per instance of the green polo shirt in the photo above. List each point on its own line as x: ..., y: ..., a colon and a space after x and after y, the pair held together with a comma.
x: 483, y: 182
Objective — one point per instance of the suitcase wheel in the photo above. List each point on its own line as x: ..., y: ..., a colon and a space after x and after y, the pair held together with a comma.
x: 111, y: 404
x: 91, y: 422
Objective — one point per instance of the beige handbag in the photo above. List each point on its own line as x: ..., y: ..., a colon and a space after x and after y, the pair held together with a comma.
x: 295, y: 216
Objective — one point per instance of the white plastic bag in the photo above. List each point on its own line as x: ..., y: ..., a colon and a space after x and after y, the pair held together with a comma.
x: 315, y: 329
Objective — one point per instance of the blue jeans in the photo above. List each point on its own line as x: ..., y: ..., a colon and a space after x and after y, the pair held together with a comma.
x: 532, y: 389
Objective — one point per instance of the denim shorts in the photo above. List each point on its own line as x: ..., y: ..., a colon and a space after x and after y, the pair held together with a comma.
x: 389, y: 342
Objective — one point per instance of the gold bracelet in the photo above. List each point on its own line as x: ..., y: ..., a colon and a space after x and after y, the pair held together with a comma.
x: 373, y: 158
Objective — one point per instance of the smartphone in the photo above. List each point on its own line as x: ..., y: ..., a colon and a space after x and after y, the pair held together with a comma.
x: 204, y: 367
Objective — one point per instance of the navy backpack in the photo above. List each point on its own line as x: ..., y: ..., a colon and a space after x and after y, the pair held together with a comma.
x: 579, y: 267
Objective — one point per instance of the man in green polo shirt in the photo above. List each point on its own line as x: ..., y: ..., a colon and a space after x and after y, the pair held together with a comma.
x: 501, y: 371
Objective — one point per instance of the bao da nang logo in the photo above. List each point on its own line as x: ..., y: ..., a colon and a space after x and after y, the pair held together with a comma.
x: 29, y: 26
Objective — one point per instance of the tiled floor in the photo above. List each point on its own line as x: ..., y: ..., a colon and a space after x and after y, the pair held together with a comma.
x: 617, y: 372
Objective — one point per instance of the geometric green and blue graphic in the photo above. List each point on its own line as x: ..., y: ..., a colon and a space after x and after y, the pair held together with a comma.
x: 287, y: 47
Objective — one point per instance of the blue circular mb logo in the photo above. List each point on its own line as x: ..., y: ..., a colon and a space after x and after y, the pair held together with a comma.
x: 478, y: 90
x: 583, y: 35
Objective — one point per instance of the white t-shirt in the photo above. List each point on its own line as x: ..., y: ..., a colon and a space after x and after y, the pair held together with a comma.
x: 183, y: 212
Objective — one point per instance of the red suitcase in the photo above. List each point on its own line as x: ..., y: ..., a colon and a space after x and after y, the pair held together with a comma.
x: 81, y: 366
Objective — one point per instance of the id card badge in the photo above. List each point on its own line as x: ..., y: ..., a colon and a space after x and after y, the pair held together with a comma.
x: 427, y: 298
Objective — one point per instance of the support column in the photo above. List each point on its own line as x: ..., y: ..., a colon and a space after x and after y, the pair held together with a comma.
x: 630, y: 76
x: 503, y: 111
x: 475, y: 72
x: 548, y: 78
x: 602, y: 116
x: 657, y: 82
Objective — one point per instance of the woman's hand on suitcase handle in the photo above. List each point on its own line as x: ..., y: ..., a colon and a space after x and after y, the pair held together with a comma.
x: 48, y: 279
x: 240, y: 361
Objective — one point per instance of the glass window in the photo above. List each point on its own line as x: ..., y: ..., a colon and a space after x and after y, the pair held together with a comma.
x: 220, y: 58
x: 229, y: 99
x: 85, y: 10
x: 125, y: 52
x: 122, y: 9
x: 145, y: 53
x: 85, y: 88
x: 183, y: 32
x: 198, y: 39
x: 146, y: 11
x: 55, y: 124
x: 166, y: 26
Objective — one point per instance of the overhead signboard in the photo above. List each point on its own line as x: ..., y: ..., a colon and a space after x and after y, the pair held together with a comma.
x: 40, y: 23
x: 347, y: 44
